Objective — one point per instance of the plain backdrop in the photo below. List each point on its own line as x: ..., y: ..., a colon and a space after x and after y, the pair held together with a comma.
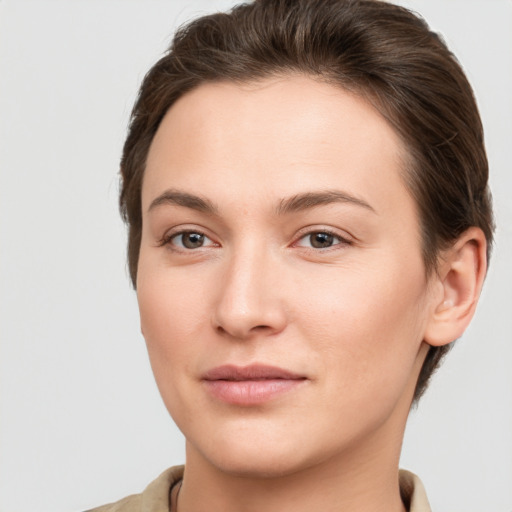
x: 81, y: 419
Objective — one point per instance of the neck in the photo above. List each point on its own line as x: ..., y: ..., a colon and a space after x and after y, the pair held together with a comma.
x: 361, y: 480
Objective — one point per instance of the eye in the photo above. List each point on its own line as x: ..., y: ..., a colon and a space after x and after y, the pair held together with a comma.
x: 189, y: 240
x: 321, y: 240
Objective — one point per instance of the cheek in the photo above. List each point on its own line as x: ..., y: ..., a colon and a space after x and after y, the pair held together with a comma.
x: 366, y: 330
x: 169, y: 297
x: 170, y: 326
x: 171, y: 319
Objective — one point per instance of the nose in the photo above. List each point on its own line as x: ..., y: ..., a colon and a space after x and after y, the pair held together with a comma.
x: 250, y: 300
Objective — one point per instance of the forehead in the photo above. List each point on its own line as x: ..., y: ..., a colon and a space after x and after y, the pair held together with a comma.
x: 278, y: 136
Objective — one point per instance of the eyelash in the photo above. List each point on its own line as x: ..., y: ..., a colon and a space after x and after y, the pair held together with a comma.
x: 167, y: 240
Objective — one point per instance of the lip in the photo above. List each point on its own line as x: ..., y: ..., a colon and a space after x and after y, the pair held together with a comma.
x: 250, y: 385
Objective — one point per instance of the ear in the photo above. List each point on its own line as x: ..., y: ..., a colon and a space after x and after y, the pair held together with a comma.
x: 457, y: 288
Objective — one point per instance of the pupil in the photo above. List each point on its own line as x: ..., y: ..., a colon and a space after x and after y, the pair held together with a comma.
x: 193, y: 240
x: 321, y: 240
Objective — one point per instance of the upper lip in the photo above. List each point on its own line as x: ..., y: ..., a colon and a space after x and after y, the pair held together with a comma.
x: 251, y: 372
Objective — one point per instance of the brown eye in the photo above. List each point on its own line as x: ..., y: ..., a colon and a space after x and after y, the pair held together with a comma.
x: 189, y: 240
x: 321, y: 240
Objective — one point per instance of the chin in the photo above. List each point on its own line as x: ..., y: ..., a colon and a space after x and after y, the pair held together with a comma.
x: 260, y: 454
x: 257, y: 465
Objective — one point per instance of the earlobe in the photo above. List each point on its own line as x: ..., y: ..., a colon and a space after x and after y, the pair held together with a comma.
x: 460, y: 279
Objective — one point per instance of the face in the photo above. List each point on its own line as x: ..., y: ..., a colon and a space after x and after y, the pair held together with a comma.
x: 282, y: 292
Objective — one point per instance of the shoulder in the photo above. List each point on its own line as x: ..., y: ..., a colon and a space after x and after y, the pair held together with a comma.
x: 129, y: 504
x: 413, y: 493
x: 154, y: 498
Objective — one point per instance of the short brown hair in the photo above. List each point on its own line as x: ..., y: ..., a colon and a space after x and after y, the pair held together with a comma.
x: 379, y: 50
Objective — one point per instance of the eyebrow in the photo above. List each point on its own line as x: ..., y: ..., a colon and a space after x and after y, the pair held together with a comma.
x: 309, y: 200
x: 296, y: 203
x: 176, y: 197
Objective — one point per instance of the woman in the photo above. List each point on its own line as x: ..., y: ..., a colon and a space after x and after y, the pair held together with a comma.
x: 305, y: 186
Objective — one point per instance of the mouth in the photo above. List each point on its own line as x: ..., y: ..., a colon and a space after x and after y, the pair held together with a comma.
x: 250, y: 385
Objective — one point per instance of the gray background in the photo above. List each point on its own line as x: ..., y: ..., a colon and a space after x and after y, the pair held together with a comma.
x: 81, y: 419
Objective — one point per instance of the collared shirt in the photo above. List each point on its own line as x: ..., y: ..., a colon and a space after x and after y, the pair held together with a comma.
x: 155, y: 498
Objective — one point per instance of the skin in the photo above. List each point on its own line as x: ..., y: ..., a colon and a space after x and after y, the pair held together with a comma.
x: 351, y: 319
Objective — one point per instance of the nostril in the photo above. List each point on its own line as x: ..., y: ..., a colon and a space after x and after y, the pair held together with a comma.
x: 260, y: 327
x: 242, y: 333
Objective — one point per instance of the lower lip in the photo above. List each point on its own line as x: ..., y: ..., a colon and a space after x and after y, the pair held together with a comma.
x: 250, y: 392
